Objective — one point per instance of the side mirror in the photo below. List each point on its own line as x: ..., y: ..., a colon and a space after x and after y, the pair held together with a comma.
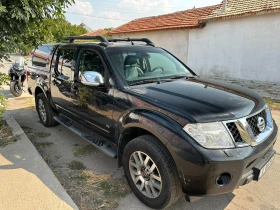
x: 91, y: 78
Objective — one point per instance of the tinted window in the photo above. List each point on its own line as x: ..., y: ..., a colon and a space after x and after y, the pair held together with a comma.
x: 90, y: 61
x: 65, y: 63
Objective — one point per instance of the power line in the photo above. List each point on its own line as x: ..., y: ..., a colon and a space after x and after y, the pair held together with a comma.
x: 133, y: 6
x: 96, y: 16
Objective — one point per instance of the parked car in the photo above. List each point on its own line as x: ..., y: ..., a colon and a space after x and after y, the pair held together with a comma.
x: 40, y: 56
x: 172, y: 131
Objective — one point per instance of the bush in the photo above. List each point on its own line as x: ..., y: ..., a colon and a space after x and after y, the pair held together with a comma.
x: 4, y: 78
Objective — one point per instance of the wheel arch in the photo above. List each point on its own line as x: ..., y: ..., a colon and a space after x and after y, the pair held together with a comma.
x: 145, y: 122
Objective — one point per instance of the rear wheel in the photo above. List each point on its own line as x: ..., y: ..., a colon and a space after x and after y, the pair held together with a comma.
x: 151, y: 172
x: 15, y: 89
x: 45, y: 111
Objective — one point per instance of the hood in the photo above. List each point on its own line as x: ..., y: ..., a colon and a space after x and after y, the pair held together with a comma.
x: 202, y: 100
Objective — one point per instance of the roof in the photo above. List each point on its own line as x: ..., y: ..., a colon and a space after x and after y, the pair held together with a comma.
x: 241, y: 8
x: 178, y: 20
x: 98, y: 32
x: 195, y: 18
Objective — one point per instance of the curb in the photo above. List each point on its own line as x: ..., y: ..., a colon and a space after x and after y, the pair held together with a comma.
x: 44, y: 172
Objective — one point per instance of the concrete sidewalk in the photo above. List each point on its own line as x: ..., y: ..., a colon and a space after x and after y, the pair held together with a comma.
x: 26, y: 181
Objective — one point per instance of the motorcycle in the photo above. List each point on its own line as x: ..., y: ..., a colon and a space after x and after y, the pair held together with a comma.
x: 18, y: 76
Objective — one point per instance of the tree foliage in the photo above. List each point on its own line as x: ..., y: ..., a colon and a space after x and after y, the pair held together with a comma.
x: 22, y: 22
x: 60, y: 27
x: 4, y: 78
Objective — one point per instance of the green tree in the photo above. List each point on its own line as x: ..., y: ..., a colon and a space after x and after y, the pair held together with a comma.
x: 4, y: 78
x: 57, y: 28
x: 22, y: 22
x: 60, y: 27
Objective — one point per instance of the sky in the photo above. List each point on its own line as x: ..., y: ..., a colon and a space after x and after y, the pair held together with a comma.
x: 112, y: 13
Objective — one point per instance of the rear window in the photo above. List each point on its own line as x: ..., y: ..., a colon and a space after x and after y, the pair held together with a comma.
x: 45, y: 48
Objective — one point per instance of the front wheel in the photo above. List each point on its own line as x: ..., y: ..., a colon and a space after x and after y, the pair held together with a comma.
x: 15, y: 89
x: 45, y: 111
x: 151, y: 172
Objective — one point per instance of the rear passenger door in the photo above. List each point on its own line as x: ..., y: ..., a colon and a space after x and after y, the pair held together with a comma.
x: 62, y: 76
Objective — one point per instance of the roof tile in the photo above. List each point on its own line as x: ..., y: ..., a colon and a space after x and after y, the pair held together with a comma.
x: 238, y: 8
x: 193, y: 18
x: 182, y: 19
x: 98, y: 32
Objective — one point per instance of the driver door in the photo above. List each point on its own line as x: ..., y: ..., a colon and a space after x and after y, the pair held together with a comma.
x: 93, y: 101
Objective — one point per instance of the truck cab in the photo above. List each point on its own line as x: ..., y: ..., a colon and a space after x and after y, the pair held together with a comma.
x: 172, y: 131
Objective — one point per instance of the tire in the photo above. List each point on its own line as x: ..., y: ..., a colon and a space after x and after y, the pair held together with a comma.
x: 45, y: 111
x: 165, y: 192
x: 14, y: 89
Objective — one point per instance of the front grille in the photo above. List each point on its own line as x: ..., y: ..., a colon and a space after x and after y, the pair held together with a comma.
x: 253, y: 121
x: 234, y: 132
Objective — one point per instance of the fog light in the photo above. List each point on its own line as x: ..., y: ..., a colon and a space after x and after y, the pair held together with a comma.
x: 223, y: 179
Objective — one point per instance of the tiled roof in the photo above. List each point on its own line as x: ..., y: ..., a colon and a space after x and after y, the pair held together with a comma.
x: 239, y: 8
x: 97, y: 32
x: 177, y: 20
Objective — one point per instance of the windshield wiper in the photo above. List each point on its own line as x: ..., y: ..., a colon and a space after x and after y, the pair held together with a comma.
x: 144, y: 82
x: 182, y: 76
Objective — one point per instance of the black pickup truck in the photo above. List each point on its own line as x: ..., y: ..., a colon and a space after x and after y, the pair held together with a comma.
x: 171, y: 130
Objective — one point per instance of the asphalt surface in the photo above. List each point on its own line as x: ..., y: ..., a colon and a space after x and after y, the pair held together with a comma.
x: 263, y: 195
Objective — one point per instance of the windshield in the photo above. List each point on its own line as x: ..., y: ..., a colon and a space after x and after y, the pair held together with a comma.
x: 137, y: 64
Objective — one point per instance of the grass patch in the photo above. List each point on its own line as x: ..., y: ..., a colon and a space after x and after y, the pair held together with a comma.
x: 42, y: 145
x: 81, y: 177
x: 271, y: 102
x: 116, y: 188
x: 42, y: 134
x: 95, y: 191
x: 6, y: 134
x: 82, y: 150
x: 26, y: 129
x: 76, y: 165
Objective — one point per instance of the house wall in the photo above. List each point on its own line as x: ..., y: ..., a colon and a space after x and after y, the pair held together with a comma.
x: 246, y: 48
x: 175, y: 41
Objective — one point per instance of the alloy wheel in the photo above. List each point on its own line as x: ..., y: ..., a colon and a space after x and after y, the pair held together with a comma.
x: 145, y: 174
x: 42, y: 110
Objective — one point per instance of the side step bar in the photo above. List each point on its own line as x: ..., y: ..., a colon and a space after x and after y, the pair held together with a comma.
x: 95, y: 142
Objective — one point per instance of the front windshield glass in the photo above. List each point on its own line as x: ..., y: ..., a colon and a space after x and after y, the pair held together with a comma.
x: 137, y: 64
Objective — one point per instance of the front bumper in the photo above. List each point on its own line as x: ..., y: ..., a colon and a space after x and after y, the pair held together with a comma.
x: 199, y: 174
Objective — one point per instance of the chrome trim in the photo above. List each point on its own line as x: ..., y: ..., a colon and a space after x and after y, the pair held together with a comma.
x: 246, y: 132
x: 60, y: 107
x: 97, y: 126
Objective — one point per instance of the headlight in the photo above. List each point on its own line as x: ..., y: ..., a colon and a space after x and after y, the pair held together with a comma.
x: 210, y: 135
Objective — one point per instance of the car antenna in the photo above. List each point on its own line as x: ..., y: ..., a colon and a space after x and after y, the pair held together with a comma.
x: 129, y: 39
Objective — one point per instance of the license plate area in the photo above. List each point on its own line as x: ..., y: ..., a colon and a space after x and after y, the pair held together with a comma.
x: 263, y: 165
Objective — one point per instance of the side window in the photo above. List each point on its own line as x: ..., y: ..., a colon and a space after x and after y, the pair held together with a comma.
x: 65, y: 63
x: 90, y: 61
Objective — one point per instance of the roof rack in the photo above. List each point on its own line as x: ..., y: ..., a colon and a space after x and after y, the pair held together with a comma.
x: 72, y: 38
x: 147, y: 41
x: 106, y: 41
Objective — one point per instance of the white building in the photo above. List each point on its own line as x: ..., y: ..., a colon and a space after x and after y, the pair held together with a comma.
x: 240, y: 39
